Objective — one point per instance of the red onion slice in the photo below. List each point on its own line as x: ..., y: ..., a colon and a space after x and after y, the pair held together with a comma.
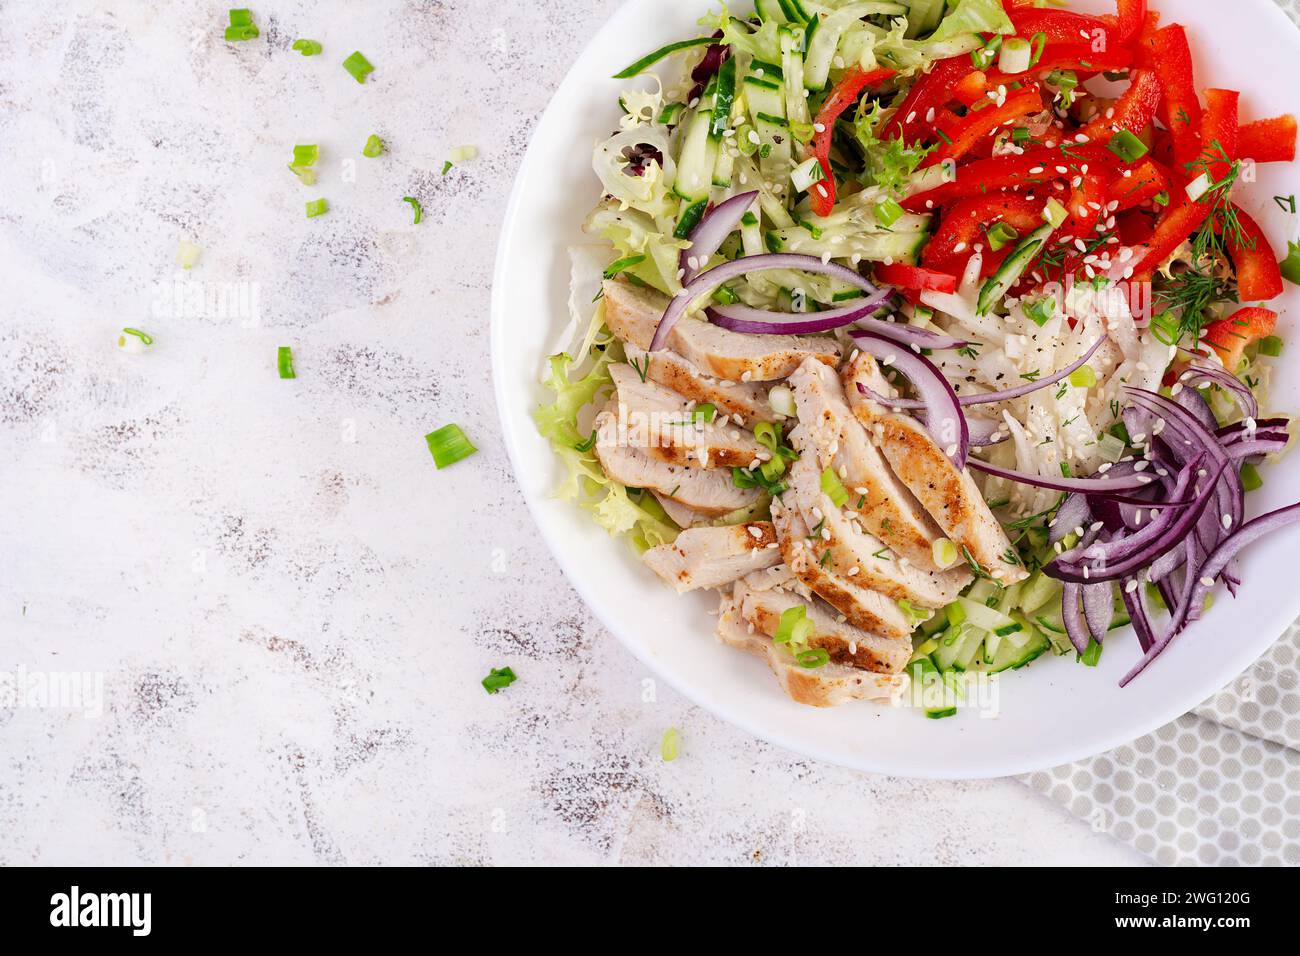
x: 1073, y: 513
x: 910, y: 335
x: 742, y: 318
x: 712, y: 231
x: 706, y: 282
x: 1247, y: 534
x: 987, y: 398
x: 1090, y: 486
x: 1075, y: 626
x: 1228, y: 382
x: 943, y: 416
x: 1098, y: 609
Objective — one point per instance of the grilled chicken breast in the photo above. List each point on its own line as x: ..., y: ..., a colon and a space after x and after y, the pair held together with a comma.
x: 862, y: 607
x: 709, y: 492
x: 861, y: 557
x: 829, y: 433
x: 846, y: 644
x: 633, y: 313
x: 949, y: 494
x: 737, y: 400
x: 714, y: 557
x: 827, y: 686
x: 661, y: 423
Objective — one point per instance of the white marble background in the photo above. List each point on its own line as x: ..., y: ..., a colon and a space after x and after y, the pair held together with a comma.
x: 290, y: 608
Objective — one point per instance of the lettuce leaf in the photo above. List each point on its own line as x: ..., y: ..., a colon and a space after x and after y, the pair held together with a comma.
x: 974, y: 16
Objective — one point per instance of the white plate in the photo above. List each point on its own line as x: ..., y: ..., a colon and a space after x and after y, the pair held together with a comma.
x: 1054, y: 712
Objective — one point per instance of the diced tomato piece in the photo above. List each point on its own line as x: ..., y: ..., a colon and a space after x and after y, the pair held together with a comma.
x: 1269, y: 140
x: 1229, y: 337
x: 914, y: 277
x: 1258, y: 276
x: 1133, y: 111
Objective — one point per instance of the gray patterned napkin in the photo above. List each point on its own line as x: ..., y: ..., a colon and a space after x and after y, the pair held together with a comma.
x: 1219, y: 786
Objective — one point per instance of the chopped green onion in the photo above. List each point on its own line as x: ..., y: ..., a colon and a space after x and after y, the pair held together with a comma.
x: 768, y: 435
x: 1166, y: 328
x: 241, y: 26
x: 1291, y: 264
x: 1250, y: 479
x: 284, y: 359
x: 983, y: 58
x: 1270, y: 345
x: 1161, y: 198
x: 668, y: 746
x: 749, y: 219
x: 138, y: 339
x: 305, y: 176
x: 1092, y: 655
x: 1083, y: 377
x: 317, y: 207
x: 449, y: 445
x: 1001, y: 234
x: 187, y: 253
x: 888, y: 212
x: 358, y: 66
x: 650, y: 59
x: 834, y: 488
x: 781, y: 400
x: 803, y: 176
x: 1127, y: 146
x: 937, y: 713
x: 463, y: 154
x: 446, y: 167
x: 773, y: 469
x: 305, y: 155
x: 1020, y: 134
x: 668, y: 116
x: 814, y: 657
x: 790, y: 618
x: 705, y: 412
x: 307, y: 47
x: 725, y: 295
x: 1055, y: 213
x: 498, y: 678
x: 956, y: 614
x: 945, y: 553
x: 1042, y: 311
x: 1198, y: 187
x: 619, y: 265
x: 915, y: 615
x: 415, y: 204
x: 1038, y: 42
x: 374, y: 146
x: 1016, y: 52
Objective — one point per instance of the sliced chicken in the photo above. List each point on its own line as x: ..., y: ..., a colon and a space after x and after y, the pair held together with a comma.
x: 660, y: 422
x: 633, y: 313
x: 864, y: 608
x: 682, y: 516
x: 950, y: 495
x: 827, y: 686
x: 714, y: 557
x: 779, y: 576
x: 738, y: 400
x: 831, y: 434
x: 710, y: 493
x: 861, y: 557
x: 846, y: 644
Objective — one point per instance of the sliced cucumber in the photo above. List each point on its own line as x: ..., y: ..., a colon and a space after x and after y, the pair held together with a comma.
x: 767, y: 112
x: 796, y: 99
x: 1012, y: 269
x: 1038, y: 590
x: 770, y: 10
x: 698, y: 159
x: 984, y: 617
x: 723, y: 98
x: 957, y: 649
x: 1010, y: 657
x: 982, y: 590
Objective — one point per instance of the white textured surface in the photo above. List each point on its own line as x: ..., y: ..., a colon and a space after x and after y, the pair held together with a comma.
x: 290, y: 607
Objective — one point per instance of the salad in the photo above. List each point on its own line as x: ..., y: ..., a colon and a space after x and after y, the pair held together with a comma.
x: 932, y: 336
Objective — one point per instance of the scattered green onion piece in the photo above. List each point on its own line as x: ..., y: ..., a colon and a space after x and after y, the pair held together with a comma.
x: 915, y: 615
x: 768, y: 435
x: 814, y: 657
x: 888, y: 212
x: 1127, y: 146
x: 1015, y: 55
x: 1161, y: 198
x: 1055, y: 213
x: 650, y: 59
x: 1250, y: 479
x: 619, y: 265
x: 1092, y: 655
x: 305, y: 176
x: 374, y: 146
x: 1020, y: 134
x: 956, y: 614
x: 187, y: 253
x: 498, y: 678
x: 1002, y: 234
x: 668, y: 746
x: 1083, y: 377
x: 725, y: 295
x: 1198, y: 187
x: 1042, y: 311
x: 305, y: 155
x: 317, y: 207
x: 705, y: 412
x: 446, y: 167
x: 773, y: 469
x: 307, y: 47
x: 945, y: 554
x: 1291, y: 264
x: 449, y: 445
x: 415, y: 204
x: 284, y: 359
x: 144, y: 337
x: 1166, y: 328
x: 1038, y: 42
x: 834, y: 488
x: 790, y: 617
x: 241, y: 26
x: 940, y: 713
x: 1271, y: 346
x: 463, y: 154
x: 358, y: 66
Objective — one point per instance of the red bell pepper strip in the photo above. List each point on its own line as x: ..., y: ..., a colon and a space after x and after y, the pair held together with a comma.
x: 1078, y: 57
x: 1229, y: 337
x: 1183, y: 216
x: 1269, y: 140
x: 1132, y: 17
x: 1180, y: 109
x: 959, y: 134
x: 1133, y: 111
x: 964, y: 224
x: 1147, y: 180
x: 932, y: 91
x: 1032, y: 168
x: 971, y: 88
x: 1258, y: 276
x: 1089, y: 195
x: 914, y: 277
x: 1063, y: 26
x: 1220, y: 133
x: 844, y: 95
